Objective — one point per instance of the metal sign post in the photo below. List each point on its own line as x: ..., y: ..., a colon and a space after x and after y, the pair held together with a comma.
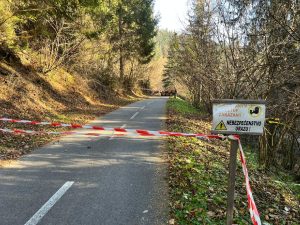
x: 237, y: 117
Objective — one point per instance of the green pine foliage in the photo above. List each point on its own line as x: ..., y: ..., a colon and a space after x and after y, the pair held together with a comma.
x: 116, y: 36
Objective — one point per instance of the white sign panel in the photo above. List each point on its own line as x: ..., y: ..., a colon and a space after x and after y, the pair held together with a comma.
x: 238, y: 117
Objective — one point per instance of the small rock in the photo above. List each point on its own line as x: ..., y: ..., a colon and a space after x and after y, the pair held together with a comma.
x: 210, y: 214
x: 172, y: 221
x: 267, y: 217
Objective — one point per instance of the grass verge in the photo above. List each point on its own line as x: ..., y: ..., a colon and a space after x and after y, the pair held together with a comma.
x: 198, y: 172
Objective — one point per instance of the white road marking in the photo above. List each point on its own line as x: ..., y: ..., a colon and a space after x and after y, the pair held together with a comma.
x: 49, y: 204
x: 134, y: 115
x: 143, y: 107
x: 112, y: 136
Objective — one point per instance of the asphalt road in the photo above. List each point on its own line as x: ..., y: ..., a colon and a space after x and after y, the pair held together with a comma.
x: 92, y: 180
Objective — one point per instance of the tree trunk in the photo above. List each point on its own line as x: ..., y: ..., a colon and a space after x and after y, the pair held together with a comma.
x: 121, y: 59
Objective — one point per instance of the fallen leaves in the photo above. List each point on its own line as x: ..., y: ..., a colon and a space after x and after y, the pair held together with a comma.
x: 12, y: 146
x: 198, y: 181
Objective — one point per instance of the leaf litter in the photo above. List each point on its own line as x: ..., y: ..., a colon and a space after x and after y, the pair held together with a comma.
x: 198, y: 175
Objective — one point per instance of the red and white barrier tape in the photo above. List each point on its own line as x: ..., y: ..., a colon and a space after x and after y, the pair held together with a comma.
x: 115, y: 132
x: 251, y: 204
x: 32, y: 132
x: 131, y: 132
x: 254, y: 214
x: 121, y: 130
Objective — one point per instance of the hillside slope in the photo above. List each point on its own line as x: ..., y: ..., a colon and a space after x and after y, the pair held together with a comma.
x: 58, y: 96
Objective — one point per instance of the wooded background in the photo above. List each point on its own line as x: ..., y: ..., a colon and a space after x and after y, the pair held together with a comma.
x: 111, y: 42
x: 245, y: 50
x: 229, y: 49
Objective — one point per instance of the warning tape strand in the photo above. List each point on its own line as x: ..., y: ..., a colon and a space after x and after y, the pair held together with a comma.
x: 114, y: 132
x: 31, y: 132
x: 116, y: 129
x: 254, y: 214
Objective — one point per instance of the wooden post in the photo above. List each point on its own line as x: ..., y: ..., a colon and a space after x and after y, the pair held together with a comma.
x: 231, y: 182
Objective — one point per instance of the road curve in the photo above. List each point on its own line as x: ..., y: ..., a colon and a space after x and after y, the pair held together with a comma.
x: 92, y: 180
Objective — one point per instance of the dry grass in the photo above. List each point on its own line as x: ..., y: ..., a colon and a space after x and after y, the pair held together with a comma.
x: 57, y: 96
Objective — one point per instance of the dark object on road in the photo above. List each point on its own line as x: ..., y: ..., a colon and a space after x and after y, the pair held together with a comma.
x: 175, y: 94
x: 149, y: 91
x: 172, y: 92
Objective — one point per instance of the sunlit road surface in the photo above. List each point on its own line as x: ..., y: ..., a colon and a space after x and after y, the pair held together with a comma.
x: 92, y: 180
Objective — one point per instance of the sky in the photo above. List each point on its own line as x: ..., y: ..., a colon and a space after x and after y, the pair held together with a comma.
x: 173, y: 13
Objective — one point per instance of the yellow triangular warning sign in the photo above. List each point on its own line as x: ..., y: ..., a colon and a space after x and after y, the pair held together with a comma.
x: 221, y: 126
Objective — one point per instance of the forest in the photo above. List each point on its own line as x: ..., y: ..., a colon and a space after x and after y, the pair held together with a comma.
x: 110, y: 42
x: 245, y: 50
x: 93, y: 64
x: 229, y: 49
